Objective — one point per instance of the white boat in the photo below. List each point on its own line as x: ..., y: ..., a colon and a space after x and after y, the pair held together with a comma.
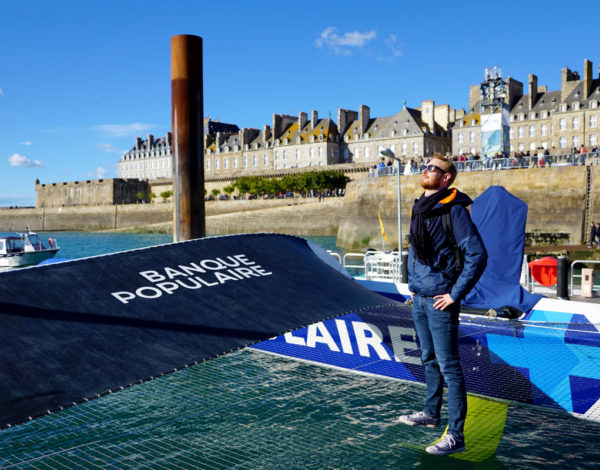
x: 25, y: 249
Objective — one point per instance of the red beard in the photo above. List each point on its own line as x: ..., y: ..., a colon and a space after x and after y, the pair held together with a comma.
x: 430, y: 183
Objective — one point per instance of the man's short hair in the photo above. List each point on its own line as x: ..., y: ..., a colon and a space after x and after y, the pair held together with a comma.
x: 450, y: 169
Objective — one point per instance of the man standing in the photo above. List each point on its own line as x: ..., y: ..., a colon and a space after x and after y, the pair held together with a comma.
x: 446, y: 259
x: 593, y: 235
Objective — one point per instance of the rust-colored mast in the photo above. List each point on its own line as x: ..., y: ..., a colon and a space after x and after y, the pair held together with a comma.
x: 187, y: 117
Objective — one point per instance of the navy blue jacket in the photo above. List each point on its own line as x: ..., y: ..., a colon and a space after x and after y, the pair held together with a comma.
x: 442, y: 277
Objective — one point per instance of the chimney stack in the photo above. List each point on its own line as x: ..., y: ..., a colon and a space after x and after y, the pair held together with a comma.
x: 363, y: 118
x: 138, y: 143
x: 276, y: 126
x: 266, y: 134
x: 427, y: 115
x: 313, y: 119
x: 302, y: 118
x: 532, y: 90
x: 587, y: 78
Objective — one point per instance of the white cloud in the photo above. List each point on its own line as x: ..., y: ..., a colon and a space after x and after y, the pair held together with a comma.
x: 341, y: 45
x: 26, y: 143
x: 125, y: 130
x: 1, y: 92
x: 20, y: 160
x: 394, y: 49
x: 100, y: 172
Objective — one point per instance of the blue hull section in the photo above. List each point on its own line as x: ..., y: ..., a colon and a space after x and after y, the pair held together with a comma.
x: 551, y: 360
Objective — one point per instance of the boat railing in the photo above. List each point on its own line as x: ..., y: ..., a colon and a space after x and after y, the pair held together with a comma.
x: 580, y: 276
x: 335, y: 255
x: 354, y: 263
x: 374, y: 265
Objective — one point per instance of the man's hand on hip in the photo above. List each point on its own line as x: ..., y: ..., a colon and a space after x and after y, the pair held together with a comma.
x: 442, y: 301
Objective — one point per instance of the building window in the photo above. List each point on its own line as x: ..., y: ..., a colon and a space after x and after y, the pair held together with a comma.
x: 562, y: 125
x: 460, y: 138
x: 367, y: 152
x: 521, y: 116
x: 532, y: 115
x: 473, y: 122
x: 575, y: 106
x: 217, y: 163
x: 593, y: 140
x: 575, y: 141
x: 521, y: 147
x: 404, y: 146
x: 285, y: 154
x: 255, y: 161
x: 544, y: 114
x: 511, y: 133
x: 593, y: 120
x: 593, y: 104
x: 531, y: 131
x: 246, y: 161
x: 562, y: 142
x: 320, y: 152
x: 226, y: 163
x: 265, y: 160
x: 415, y: 148
x: 207, y: 164
x: 544, y: 145
x: 471, y: 136
x: 532, y: 146
x: 575, y: 123
x: 356, y: 153
x: 563, y: 107
x: 276, y: 155
x: 235, y: 162
x: 544, y: 129
x: 521, y: 132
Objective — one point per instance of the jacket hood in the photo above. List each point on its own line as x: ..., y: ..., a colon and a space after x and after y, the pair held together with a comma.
x: 455, y: 197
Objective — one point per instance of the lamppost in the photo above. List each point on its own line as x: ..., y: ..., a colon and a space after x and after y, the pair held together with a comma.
x: 390, y: 154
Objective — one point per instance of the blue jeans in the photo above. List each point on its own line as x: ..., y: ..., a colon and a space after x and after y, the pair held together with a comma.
x: 438, y: 334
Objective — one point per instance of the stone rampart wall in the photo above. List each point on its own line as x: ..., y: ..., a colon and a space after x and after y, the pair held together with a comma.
x: 555, y: 196
x: 92, y: 218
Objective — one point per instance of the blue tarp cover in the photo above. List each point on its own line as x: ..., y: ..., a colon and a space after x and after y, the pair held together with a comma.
x: 500, y: 218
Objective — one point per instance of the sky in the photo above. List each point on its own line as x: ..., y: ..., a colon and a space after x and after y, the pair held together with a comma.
x: 80, y: 80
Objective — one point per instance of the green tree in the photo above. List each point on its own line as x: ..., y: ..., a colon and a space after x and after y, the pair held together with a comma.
x: 215, y: 192
x: 229, y: 189
x: 166, y: 195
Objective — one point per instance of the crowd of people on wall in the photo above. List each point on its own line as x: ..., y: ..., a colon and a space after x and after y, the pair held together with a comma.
x: 538, y: 158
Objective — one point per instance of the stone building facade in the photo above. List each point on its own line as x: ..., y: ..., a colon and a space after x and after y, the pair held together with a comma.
x: 302, y: 141
x: 557, y: 120
x: 152, y: 158
x: 90, y: 192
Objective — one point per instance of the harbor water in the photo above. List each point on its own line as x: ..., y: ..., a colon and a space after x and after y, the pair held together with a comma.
x: 250, y: 409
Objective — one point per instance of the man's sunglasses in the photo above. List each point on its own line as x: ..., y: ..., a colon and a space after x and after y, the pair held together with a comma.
x: 431, y: 168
